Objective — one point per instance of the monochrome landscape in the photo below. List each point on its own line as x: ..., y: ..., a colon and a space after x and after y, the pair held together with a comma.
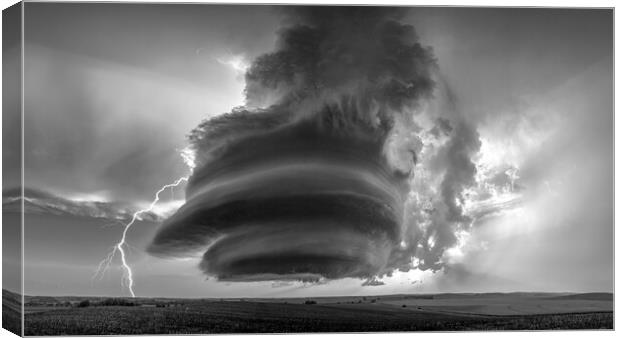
x: 222, y: 168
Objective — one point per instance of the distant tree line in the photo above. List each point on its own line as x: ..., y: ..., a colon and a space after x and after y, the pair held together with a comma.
x: 116, y: 302
x: 107, y: 302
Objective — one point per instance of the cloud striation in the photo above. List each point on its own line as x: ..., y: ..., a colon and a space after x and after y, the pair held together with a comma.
x: 314, y: 177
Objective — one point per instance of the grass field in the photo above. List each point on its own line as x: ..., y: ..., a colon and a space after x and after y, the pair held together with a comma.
x: 62, y: 316
x: 11, y: 312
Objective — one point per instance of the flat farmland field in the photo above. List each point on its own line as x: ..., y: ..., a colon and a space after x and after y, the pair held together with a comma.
x: 11, y: 312
x: 444, y: 312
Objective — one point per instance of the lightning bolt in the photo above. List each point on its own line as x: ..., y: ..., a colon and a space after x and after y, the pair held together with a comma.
x: 119, y: 247
x: 104, y: 265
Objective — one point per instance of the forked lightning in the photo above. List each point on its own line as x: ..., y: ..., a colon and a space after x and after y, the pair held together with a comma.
x: 119, y: 247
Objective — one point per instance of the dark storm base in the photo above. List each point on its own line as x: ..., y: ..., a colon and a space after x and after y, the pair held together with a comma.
x: 332, y: 314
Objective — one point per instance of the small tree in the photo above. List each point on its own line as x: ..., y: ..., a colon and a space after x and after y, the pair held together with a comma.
x: 84, y: 303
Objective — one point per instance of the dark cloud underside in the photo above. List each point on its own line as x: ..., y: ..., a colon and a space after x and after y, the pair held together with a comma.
x: 297, y: 184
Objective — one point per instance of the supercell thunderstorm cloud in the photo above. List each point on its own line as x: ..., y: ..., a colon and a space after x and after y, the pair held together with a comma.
x: 339, y: 165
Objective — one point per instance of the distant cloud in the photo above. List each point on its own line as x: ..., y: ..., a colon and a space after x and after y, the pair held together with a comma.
x: 42, y: 202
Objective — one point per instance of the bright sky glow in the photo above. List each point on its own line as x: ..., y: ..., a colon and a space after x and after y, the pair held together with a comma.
x: 237, y: 62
